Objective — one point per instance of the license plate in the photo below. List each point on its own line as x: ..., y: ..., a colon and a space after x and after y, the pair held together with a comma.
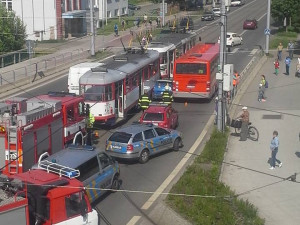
x: 116, y: 147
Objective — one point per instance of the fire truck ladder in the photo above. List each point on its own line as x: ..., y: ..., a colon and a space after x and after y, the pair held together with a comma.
x: 12, y: 157
x: 58, y: 169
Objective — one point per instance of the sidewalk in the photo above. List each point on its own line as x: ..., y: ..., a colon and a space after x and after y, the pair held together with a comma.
x: 277, y: 199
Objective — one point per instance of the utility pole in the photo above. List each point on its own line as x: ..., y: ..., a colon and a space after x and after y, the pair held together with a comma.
x: 220, y: 114
x: 268, y: 27
x: 163, y: 13
x: 92, y: 28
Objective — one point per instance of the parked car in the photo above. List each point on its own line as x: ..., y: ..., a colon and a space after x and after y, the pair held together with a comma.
x: 140, y: 141
x: 250, y: 24
x: 160, y: 86
x: 237, y: 3
x: 134, y: 7
x: 162, y: 115
x: 216, y: 11
x: 207, y: 16
x: 233, y: 39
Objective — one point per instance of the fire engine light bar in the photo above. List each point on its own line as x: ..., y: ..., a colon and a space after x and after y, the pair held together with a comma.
x: 56, y: 114
x: 28, y: 127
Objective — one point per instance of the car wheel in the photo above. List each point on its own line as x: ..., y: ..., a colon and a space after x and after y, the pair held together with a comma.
x: 177, y: 144
x: 144, y: 156
x: 115, y: 183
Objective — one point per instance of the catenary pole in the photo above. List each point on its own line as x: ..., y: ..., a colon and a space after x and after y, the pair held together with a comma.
x: 92, y: 28
x: 220, y: 118
x: 163, y: 13
x: 268, y: 26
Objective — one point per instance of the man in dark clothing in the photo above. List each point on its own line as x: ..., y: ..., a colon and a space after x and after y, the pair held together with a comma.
x: 245, y: 122
x: 167, y: 97
x: 144, y: 102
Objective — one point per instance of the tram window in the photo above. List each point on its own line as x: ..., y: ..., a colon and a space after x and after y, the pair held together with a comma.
x: 108, y: 93
x: 146, y: 74
x: 134, y: 81
x: 94, y: 93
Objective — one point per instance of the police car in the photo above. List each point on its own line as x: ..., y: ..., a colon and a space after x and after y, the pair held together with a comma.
x: 140, y: 141
x: 161, y: 86
x: 98, y: 170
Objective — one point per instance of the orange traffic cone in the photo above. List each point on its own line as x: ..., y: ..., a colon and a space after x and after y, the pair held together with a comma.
x: 185, y: 104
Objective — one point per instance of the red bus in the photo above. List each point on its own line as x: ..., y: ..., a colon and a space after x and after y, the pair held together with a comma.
x: 194, y: 74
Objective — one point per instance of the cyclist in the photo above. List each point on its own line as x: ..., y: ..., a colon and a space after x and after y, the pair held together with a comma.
x: 245, y: 121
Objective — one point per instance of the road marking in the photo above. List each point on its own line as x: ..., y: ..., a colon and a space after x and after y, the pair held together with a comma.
x: 261, y: 17
x: 253, y: 52
x: 244, y: 31
x: 234, y: 51
x: 133, y: 220
x: 179, y: 167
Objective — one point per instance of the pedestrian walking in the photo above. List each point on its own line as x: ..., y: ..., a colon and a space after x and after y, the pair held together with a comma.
x: 245, y: 121
x: 276, y: 64
x: 287, y: 65
x: 290, y: 48
x: 116, y: 29
x: 279, y: 51
x: 297, y: 73
x: 274, y: 150
x: 123, y: 25
x: 145, y: 19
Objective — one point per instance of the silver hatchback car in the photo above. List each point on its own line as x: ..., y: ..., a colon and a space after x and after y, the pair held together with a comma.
x: 140, y: 141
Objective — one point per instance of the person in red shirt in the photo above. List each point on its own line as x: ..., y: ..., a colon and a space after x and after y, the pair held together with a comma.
x: 276, y: 64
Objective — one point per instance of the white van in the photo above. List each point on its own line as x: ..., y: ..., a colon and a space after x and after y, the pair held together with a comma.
x: 75, y: 72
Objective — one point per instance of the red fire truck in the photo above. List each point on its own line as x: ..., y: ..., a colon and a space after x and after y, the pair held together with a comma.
x: 50, y: 195
x: 30, y: 127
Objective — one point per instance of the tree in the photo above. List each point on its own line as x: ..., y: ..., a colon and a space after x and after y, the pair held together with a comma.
x: 12, y: 31
x: 288, y: 9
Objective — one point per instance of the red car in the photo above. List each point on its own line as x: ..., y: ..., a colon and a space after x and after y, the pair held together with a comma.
x: 250, y: 24
x: 161, y: 115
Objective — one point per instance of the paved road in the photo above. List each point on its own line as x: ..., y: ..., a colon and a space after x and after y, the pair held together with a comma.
x: 192, y: 121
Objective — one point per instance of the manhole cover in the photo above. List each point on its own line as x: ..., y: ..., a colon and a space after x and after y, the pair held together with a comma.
x: 272, y: 117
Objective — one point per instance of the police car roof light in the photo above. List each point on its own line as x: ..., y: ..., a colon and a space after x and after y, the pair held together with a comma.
x: 58, y: 169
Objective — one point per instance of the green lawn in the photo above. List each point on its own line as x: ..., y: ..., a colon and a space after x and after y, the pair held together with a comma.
x: 202, y: 178
x: 284, y: 38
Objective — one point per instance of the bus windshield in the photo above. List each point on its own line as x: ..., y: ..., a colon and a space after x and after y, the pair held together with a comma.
x: 191, y: 68
x: 97, y: 93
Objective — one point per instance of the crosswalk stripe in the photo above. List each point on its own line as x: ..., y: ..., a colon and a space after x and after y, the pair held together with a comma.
x: 253, y: 51
x: 234, y: 51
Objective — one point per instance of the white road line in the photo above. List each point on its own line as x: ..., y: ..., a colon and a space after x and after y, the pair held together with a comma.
x: 133, y: 220
x: 261, y: 17
x: 253, y: 51
x: 179, y: 167
x: 244, y: 31
x: 234, y: 51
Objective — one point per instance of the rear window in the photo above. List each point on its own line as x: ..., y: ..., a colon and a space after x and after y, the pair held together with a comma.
x: 191, y: 68
x: 153, y: 117
x: 121, y: 137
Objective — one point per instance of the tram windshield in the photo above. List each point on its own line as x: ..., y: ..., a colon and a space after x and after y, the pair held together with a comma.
x: 97, y: 93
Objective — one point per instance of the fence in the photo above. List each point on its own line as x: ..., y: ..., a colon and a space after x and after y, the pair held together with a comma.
x: 13, y: 58
x: 55, y: 62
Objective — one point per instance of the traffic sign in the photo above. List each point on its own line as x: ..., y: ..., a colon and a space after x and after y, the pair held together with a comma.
x: 267, y: 31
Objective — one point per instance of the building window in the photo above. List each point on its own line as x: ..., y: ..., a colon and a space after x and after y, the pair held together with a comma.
x: 7, y: 4
x: 123, y: 10
x: 116, y: 12
x: 69, y: 5
x: 108, y: 14
x: 75, y: 5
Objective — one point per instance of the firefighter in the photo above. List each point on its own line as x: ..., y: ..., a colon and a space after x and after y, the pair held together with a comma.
x: 167, y: 97
x: 144, y: 102
x: 90, y: 119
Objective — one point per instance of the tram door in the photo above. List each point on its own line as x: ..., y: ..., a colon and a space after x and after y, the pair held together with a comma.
x: 119, y: 100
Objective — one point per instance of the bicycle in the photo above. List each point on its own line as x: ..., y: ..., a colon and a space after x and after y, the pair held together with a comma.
x: 253, y: 133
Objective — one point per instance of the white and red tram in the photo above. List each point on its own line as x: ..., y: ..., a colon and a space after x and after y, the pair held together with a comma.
x: 113, y: 89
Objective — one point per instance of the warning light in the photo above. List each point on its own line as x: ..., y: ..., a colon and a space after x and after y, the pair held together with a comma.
x: 96, y: 134
x: 2, y: 130
x: 185, y: 104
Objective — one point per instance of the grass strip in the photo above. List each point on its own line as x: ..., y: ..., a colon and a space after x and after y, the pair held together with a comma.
x: 284, y: 38
x: 202, y: 178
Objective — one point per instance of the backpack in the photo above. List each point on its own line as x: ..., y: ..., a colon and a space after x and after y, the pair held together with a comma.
x: 266, y: 84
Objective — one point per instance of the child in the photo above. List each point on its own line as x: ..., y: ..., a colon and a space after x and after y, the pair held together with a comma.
x: 261, y: 93
x: 276, y: 64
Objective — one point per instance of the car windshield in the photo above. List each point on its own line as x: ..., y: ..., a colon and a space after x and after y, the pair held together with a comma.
x: 153, y: 117
x: 120, y: 137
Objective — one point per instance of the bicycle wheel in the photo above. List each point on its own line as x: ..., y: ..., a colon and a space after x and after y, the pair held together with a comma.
x: 253, y: 133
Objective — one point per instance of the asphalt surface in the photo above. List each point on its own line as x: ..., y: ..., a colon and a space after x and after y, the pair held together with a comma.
x: 119, y: 208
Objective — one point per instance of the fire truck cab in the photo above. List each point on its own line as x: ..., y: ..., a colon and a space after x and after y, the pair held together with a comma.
x: 50, y: 195
x: 30, y: 127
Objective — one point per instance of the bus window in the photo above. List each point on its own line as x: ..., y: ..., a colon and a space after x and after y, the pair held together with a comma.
x: 94, y: 93
x: 191, y: 68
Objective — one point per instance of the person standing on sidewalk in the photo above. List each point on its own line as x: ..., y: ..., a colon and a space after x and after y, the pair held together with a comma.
x: 261, y: 92
x: 274, y: 150
x: 245, y: 121
x: 287, y: 65
x: 279, y: 51
x: 116, y: 29
x: 276, y: 64
x: 290, y: 48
